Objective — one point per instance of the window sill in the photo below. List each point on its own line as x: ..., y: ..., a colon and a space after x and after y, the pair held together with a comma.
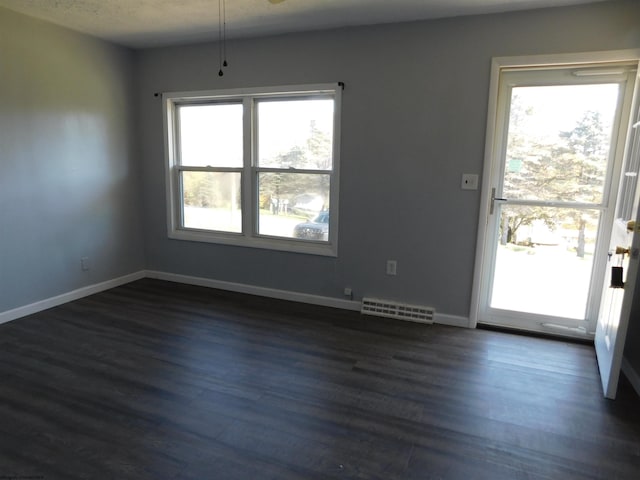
x: 267, y: 243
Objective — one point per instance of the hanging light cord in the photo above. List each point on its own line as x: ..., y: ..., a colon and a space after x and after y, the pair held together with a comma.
x: 222, y: 35
x: 220, y: 72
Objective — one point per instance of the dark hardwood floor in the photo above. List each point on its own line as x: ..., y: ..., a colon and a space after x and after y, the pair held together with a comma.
x: 155, y: 380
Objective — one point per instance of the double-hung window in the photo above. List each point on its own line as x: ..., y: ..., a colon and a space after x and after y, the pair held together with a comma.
x: 255, y: 167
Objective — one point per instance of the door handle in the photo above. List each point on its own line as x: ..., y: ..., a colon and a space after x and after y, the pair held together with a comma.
x: 495, y: 199
x: 632, y: 252
x: 622, y: 251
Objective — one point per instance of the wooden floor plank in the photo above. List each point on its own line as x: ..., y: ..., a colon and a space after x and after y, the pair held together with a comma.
x: 156, y: 380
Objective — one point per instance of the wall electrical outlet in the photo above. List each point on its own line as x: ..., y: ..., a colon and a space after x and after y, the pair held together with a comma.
x: 392, y: 267
x: 84, y: 263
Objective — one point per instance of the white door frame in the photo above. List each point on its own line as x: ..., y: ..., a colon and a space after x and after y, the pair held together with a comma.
x: 497, y: 64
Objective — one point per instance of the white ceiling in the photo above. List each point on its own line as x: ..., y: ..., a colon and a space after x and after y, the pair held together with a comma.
x: 149, y: 23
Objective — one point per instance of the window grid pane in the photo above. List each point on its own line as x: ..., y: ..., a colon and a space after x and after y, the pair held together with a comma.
x: 212, y: 200
x: 295, y: 133
x: 568, y: 156
x: 294, y: 205
x: 210, y: 135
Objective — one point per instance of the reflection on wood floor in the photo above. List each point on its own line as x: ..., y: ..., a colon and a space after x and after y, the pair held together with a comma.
x: 156, y: 380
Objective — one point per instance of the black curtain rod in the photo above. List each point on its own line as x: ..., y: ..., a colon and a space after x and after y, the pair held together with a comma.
x: 340, y: 84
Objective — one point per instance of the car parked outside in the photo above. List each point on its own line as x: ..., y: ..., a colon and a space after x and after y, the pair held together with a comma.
x: 316, y: 229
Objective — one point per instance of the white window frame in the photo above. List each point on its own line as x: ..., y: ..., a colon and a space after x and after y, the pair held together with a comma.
x: 249, y: 170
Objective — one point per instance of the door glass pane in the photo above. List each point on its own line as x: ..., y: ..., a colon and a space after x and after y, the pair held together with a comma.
x: 558, y: 142
x: 210, y: 135
x: 296, y: 133
x: 294, y: 205
x: 211, y: 201
x: 544, y: 260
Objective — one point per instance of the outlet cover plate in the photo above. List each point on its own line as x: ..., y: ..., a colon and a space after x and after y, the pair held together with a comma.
x: 392, y: 267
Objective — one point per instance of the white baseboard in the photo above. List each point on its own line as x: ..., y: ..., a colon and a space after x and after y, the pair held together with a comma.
x: 254, y: 290
x: 631, y: 374
x: 451, y: 320
x: 440, y: 318
x: 68, y: 297
x: 19, y: 312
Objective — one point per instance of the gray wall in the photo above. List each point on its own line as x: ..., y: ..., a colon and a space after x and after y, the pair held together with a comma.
x: 68, y: 174
x: 413, y: 120
x: 72, y: 124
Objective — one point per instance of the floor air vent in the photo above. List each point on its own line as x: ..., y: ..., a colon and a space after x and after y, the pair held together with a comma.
x: 402, y: 311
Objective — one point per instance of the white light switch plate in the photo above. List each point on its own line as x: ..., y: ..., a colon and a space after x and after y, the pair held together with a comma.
x: 469, y: 181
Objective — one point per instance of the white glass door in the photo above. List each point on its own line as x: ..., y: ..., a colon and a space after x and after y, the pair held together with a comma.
x: 554, y: 185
